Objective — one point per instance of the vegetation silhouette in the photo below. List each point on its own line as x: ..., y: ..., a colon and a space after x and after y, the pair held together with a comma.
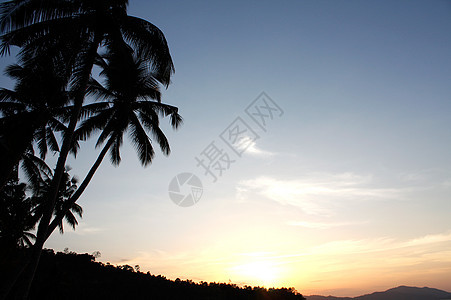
x: 19, y: 212
x: 65, y: 194
x: 32, y: 111
x: 59, y: 43
x: 16, y: 220
x: 77, y: 276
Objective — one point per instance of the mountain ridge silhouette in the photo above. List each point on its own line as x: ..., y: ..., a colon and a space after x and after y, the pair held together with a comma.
x: 398, y: 293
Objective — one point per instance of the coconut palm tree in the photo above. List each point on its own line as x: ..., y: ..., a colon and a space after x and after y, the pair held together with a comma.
x: 45, y: 28
x: 30, y: 111
x: 42, y: 187
x: 131, y: 104
x: 41, y: 27
x: 20, y: 214
x: 31, y: 114
x: 34, y: 108
x: 16, y: 218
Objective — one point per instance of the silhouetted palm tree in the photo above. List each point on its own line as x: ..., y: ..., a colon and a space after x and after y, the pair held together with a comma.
x: 16, y: 219
x: 32, y: 111
x: 69, y: 186
x: 19, y: 213
x: 46, y: 27
x: 131, y: 104
x: 17, y: 209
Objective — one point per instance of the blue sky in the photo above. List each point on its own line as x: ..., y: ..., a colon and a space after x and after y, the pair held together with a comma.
x: 354, y: 178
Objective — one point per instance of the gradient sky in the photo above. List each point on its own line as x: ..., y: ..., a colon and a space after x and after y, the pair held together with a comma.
x: 348, y: 192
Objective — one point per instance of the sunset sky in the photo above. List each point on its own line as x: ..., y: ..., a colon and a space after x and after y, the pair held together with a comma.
x: 346, y: 190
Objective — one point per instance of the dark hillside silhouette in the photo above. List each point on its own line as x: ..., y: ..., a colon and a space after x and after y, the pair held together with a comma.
x: 78, y: 276
x: 398, y: 293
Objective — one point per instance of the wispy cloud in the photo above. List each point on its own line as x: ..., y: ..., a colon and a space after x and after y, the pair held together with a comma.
x: 377, y: 252
x: 322, y: 225
x: 428, y: 239
x: 249, y: 146
x: 419, y: 250
x: 315, y: 193
x: 84, y: 229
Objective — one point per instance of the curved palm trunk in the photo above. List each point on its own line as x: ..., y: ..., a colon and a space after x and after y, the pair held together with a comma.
x: 80, y: 189
x: 54, y: 224
x: 41, y: 236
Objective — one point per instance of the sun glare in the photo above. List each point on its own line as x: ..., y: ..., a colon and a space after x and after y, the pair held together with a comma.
x: 260, y: 272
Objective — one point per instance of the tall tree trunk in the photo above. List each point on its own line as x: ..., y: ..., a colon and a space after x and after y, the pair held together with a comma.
x: 68, y: 204
x: 41, y: 236
x: 14, y: 144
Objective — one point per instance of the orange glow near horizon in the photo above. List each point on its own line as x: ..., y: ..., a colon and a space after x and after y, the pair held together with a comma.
x: 341, y: 268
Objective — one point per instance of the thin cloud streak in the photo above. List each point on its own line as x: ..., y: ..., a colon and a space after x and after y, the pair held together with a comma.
x: 249, y: 146
x: 84, y: 229
x: 322, y: 225
x: 317, y: 193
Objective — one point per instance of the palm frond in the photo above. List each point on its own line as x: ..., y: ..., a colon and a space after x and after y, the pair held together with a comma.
x: 14, y: 71
x: 141, y: 141
x: 149, y: 42
x: 112, y: 127
x: 8, y: 95
x: 51, y: 140
x: 115, y: 153
x: 35, y: 169
x: 152, y: 125
x: 41, y: 137
x: 26, y: 239
x: 99, y: 92
x: 15, y: 15
x: 94, y: 123
x: 92, y: 109
x: 35, y: 38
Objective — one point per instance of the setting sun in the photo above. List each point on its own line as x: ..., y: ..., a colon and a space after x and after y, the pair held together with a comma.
x: 260, y: 270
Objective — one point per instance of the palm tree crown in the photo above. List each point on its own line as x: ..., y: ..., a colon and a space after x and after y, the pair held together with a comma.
x: 132, y: 103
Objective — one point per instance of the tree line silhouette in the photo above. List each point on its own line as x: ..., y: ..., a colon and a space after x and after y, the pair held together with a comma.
x: 78, y: 276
